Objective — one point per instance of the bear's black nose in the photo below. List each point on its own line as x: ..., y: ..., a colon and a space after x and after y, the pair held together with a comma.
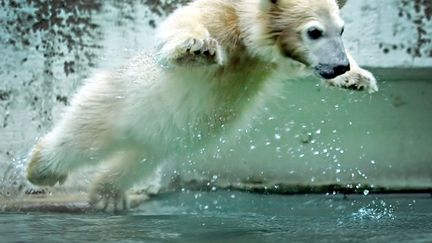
x: 341, y: 69
x: 330, y: 71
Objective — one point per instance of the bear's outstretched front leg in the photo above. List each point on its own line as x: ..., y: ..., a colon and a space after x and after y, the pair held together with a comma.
x: 356, y: 79
x: 183, y: 40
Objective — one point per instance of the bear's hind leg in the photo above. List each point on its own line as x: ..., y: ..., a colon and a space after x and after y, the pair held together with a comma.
x: 59, y: 153
x: 40, y: 173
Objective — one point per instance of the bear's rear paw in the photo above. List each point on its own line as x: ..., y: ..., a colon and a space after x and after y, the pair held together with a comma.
x: 195, y: 52
x: 40, y: 173
x: 356, y: 79
x: 108, y: 197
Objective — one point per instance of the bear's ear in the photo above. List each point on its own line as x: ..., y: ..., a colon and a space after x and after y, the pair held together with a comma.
x: 341, y: 3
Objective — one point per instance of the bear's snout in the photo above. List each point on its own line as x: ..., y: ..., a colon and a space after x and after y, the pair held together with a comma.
x: 329, y: 71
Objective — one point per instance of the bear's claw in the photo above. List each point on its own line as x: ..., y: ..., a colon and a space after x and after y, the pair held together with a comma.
x: 107, y: 196
x: 200, y: 51
x: 196, y: 51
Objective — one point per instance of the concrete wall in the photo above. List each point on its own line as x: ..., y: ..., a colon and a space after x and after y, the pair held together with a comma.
x: 49, y: 47
x: 315, y: 136
x: 390, y: 33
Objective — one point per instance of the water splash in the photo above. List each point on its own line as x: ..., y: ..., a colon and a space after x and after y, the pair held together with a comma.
x: 13, y: 181
x: 380, y: 211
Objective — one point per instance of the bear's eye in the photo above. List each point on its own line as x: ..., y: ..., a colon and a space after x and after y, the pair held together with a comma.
x: 314, y: 33
x: 342, y: 31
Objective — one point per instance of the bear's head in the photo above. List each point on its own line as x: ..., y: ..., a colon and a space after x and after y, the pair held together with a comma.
x: 308, y: 31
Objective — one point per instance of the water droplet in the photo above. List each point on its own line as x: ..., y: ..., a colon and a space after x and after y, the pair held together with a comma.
x: 366, y: 192
x: 277, y: 136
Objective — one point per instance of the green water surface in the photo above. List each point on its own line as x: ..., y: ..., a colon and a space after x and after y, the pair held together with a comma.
x: 225, y: 216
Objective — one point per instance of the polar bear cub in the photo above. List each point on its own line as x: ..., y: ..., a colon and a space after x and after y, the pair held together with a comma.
x: 214, y: 63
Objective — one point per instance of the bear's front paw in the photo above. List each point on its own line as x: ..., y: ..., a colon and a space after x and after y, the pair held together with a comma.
x: 108, y: 197
x: 195, y: 52
x: 356, y: 79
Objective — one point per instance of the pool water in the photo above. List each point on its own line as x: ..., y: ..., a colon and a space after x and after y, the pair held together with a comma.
x: 227, y: 216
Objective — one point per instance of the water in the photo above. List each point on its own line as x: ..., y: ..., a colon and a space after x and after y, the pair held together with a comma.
x: 226, y: 216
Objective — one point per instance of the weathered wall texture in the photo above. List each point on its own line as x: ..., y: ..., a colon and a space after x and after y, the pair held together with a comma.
x: 390, y: 33
x: 49, y: 47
